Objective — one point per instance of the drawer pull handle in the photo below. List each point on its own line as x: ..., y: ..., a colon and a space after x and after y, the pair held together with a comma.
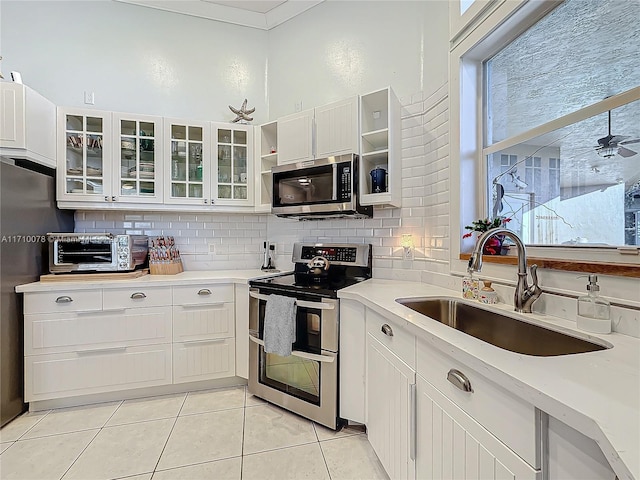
x: 138, y: 295
x: 386, y: 329
x: 204, y: 291
x: 459, y: 380
x: 65, y: 299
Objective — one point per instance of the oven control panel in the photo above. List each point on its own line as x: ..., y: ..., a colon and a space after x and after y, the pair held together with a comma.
x: 349, y: 254
x: 333, y: 254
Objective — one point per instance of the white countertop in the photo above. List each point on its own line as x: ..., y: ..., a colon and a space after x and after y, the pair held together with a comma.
x: 85, y: 282
x: 596, y: 393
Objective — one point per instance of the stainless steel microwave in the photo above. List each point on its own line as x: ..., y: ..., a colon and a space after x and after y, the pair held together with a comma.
x: 96, y: 252
x: 314, y: 189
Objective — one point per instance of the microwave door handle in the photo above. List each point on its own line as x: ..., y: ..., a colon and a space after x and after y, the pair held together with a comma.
x: 334, y: 169
x: 300, y: 303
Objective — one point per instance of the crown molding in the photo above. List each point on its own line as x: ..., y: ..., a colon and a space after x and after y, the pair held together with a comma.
x: 224, y: 13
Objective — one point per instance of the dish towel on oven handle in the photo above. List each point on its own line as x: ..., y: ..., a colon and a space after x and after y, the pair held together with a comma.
x: 280, y: 325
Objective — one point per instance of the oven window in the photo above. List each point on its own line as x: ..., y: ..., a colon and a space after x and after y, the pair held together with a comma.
x: 299, y: 377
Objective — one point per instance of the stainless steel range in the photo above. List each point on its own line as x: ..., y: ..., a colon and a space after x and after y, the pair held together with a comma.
x: 306, y: 382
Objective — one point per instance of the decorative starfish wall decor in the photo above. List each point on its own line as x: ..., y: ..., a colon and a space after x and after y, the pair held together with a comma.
x: 242, y: 113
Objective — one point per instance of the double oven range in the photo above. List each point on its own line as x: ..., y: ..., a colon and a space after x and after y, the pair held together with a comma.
x: 306, y: 382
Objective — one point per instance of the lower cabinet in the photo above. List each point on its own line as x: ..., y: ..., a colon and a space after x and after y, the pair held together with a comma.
x: 451, y: 444
x: 98, y: 370
x: 203, y: 360
x: 390, y: 410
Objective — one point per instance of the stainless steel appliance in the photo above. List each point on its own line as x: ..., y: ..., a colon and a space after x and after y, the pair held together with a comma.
x: 96, y: 252
x: 322, y: 188
x: 306, y: 382
x: 27, y: 211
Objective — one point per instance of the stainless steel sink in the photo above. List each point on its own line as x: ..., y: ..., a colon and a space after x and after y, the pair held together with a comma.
x: 499, y: 329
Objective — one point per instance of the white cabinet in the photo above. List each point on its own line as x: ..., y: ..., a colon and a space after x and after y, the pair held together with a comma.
x: 352, y: 361
x: 233, y: 175
x: 320, y: 132
x: 337, y: 128
x: 390, y: 410
x: 138, y: 159
x: 27, y: 124
x: 295, y: 137
x: 451, y: 444
x: 87, y: 342
x: 188, y: 166
x: 266, y: 158
x: 203, y: 332
x: 85, y: 160
x: 380, y: 147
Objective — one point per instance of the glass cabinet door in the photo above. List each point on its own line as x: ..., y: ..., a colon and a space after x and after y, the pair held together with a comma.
x: 187, y: 163
x: 233, y: 167
x: 138, y: 156
x: 84, y: 155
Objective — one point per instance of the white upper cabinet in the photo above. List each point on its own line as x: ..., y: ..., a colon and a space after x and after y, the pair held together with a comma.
x: 380, y: 149
x: 319, y: 132
x: 233, y: 176
x: 85, y: 156
x: 27, y: 124
x: 337, y: 128
x: 266, y: 157
x: 138, y: 158
x: 295, y: 137
x: 187, y: 163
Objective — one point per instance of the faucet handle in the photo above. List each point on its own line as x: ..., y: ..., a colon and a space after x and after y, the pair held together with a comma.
x: 534, y: 274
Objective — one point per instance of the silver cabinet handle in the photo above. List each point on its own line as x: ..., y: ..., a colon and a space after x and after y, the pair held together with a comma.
x: 205, y: 201
x: 65, y: 299
x: 138, y: 295
x: 459, y: 380
x: 106, y: 199
x: 113, y: 199
x: 204, y: 291
x: 386, y: 329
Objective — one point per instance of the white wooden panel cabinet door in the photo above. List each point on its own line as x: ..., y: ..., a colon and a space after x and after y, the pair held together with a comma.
x: 352, y: 360
x: 203, y: 322
x: 203, y: 360
x: 451, y: 444
x: 96, y: 371
x: 389, y: 410
x: 337, y: 128
x: 12, y: 131
x: 295, y: 137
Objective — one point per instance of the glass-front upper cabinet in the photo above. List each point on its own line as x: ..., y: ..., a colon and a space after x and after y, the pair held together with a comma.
x: 84, y: 155
x: 233, y: 176
x: 188, y: 166
x: 138, y: 158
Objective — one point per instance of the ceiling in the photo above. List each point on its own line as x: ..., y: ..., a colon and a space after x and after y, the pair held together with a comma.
x: 261, y: 14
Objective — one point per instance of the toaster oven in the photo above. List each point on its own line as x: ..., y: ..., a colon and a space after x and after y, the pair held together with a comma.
x: 96, y: 252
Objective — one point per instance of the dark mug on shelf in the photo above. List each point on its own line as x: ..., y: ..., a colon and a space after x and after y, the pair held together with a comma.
x: 378, y: 180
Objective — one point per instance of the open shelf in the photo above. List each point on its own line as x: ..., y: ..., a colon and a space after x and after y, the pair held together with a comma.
x: 376, y: 140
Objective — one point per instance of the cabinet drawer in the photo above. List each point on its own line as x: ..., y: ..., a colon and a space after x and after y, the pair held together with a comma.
x: 61, y: 301
x: 203, y: 360
x: 509, y: 418
x: 74, y: 332
x: 202, y: 294
x: 96, y: 371
x: 397, y: 339
x: 203, y: 322
x: 116, y: 298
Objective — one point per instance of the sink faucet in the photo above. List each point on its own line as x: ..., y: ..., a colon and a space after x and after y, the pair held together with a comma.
x: 525, y: 295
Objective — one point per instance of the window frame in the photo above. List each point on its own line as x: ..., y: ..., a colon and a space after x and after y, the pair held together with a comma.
x: 483, y: 38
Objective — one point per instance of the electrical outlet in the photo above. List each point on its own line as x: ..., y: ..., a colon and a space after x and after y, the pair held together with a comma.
x: 89, y: 98
x: 298, y: 106
x: 376, y: 115
x: 212, y: 248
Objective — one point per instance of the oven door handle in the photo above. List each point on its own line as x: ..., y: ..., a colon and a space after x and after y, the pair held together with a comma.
x: 298, y: 353
x: 300, y: 303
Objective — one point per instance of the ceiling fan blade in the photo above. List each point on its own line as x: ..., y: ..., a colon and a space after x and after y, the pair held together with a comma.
x: 629, y: 142
x: 616, y: 139
x: 625, y: 152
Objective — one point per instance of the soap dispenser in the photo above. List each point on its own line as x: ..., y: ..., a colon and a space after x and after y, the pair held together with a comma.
x: 594, y: 312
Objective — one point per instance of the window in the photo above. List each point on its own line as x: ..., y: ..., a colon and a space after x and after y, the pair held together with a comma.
x: 553, y: 103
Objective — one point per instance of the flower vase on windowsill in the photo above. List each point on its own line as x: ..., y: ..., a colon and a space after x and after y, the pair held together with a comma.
x: 494, y: 245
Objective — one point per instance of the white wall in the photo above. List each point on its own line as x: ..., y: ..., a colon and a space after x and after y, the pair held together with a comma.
x: 135, y: 59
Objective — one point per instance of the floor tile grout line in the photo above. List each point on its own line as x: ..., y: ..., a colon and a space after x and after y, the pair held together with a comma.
x: 244, y: 422
x: 80, y: 454
x: 279, y: 448
x: 169, y: 436
x: 31, y: 427
x: 326, y: 465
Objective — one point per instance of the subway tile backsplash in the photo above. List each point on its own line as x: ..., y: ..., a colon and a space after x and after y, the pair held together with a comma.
x: 234, y: 241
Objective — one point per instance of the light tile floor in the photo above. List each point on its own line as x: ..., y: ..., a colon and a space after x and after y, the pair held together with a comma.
x: 214, y: 434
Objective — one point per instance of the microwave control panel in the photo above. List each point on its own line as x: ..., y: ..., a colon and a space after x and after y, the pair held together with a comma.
x: 345, y: 181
